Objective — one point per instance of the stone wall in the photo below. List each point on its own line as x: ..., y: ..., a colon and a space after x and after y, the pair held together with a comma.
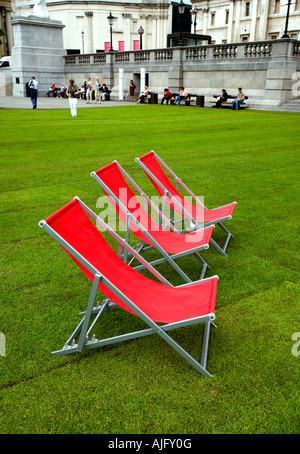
x: 6, y: 83
x: 265, y: 70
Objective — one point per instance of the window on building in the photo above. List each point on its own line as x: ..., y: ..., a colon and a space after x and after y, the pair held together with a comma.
x: 294, y: 35
x: 73, y: 51
x: 226, y: 16
x: 136, y: 44
x: 121, y: 46
x: 274, y: 36
x: 106, y: 47
x: 244, y: 38
x: 212, y: 18
x: 277, y: 6
x: 247, y: 9
x: 224, y: 41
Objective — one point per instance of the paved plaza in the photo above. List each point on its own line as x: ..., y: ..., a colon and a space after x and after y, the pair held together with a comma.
x: 45, y: 102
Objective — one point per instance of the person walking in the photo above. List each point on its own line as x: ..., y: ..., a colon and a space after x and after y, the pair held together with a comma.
x: 34, y: 86
x: 72, y: 91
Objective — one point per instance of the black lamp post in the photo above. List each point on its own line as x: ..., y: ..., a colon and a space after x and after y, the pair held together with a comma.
x: 141, y: 32
x: 181, y: 8
x: 285, y: 33
x: 194, y: 11
x: 110, y: 19
x: 82, y: 40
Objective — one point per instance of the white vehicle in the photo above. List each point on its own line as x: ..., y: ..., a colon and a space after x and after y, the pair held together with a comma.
x: 5, y: 62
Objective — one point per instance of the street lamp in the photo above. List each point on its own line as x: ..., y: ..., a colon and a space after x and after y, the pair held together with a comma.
x: 110, y: 19
x: 82, y: 40
x: 181, y: 8
x: 141, y: 32
x: 194, y: 11
x: 285, y: 33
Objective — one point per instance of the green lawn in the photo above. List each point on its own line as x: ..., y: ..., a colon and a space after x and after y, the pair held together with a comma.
x: 142, y: 386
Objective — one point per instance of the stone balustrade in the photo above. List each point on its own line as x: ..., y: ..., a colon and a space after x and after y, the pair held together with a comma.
x: 264, y: 69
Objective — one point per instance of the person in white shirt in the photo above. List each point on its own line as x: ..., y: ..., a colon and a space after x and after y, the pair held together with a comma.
x: 72, y: 92
x: 89, y: 91
x: 34, y: 86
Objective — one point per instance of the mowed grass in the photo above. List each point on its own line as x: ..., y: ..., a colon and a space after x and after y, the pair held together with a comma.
x: 143, y: 386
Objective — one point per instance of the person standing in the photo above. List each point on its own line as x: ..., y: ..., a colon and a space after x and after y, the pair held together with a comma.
x: 98, y: 88
x: 72, y: 91
x: 34, y: 86
x: 131, y: 91
x: 89, y: 87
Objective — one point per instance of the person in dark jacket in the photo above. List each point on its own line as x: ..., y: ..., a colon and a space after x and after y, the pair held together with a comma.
x: 222, y: 98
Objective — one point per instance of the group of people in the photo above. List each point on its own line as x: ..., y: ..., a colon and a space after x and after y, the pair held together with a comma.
x: 235, y: 102
x: 101, y: 91
x: 183, y: 94
x: 73, y: 93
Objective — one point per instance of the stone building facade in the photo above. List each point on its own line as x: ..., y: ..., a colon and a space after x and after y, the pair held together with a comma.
x: 227, y: 21
x: 87, y: 28
x: 233, y: 21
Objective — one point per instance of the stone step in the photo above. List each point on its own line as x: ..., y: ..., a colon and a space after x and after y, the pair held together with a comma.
x: 291, y: 106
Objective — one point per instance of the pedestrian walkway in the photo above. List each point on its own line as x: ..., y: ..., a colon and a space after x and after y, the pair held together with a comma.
x: 15, y: 102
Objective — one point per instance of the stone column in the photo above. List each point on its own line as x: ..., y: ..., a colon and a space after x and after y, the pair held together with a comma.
x: 108, y: 72
x: 89, y: 45
x: 175, y: 74
x: 121, y: 84
x: 237, y: 21
x: 205, y: 19
x: 279, y: 77
x: 253, y: 21
x: 230, y: 22
x: 263, y: 20
x: 38, y: 51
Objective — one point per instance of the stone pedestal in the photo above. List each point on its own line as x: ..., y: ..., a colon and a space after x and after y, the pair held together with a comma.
x: 279, y: 76
x: 38, y: 51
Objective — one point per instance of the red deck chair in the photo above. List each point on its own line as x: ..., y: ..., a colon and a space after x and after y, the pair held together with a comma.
x: 171, y: 244
x: 156, y: 169
x: 152, y: 301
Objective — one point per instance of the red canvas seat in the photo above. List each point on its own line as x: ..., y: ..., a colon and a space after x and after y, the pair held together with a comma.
x: 124, y: 286
x: 157, y: 170
x: 115, y: 183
